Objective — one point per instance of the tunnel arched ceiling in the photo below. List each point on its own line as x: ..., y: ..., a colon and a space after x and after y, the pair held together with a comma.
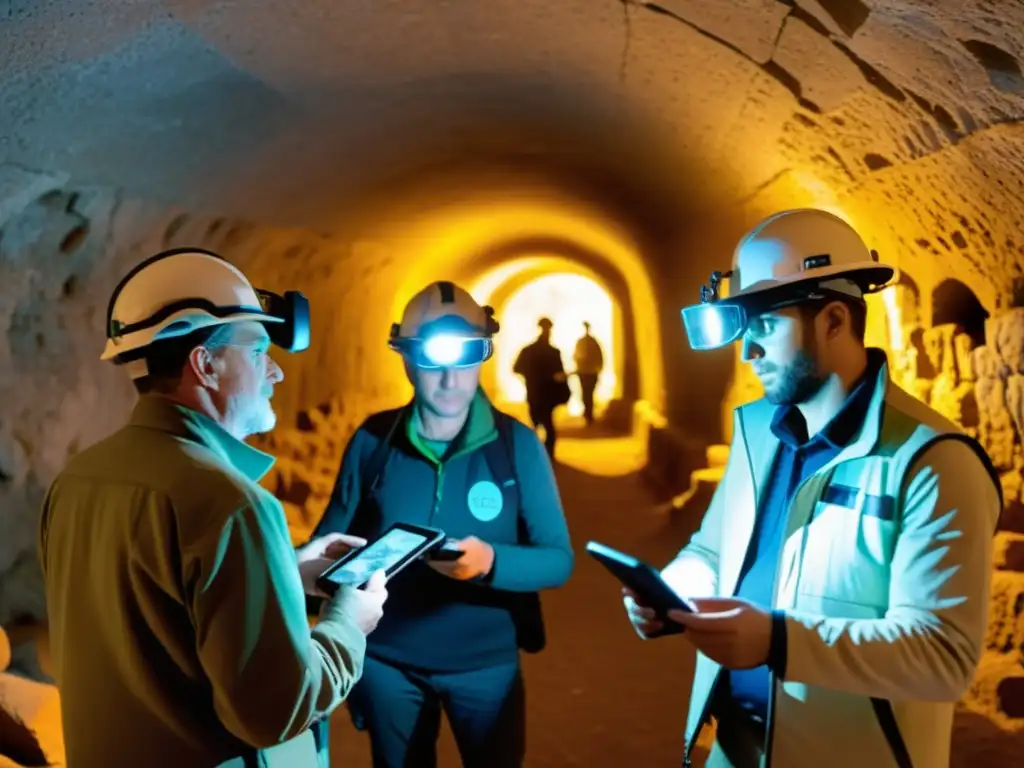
x: 277, y: 111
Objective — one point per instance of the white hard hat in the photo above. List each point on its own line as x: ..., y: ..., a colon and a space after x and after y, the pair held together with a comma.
x: 801, y: 245
x: 789, y: 258
x: 444, y: 300
x: 177, y: 292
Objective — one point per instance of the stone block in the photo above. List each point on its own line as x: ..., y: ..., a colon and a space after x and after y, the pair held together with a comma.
x: 938, y: 346
x: 1006, y: 335
x: 986, y: 363
x: 956, y: 402
x: 995, y: 425
x: 963, y: 348
x: 1012, y: 519
x: 988, y: 694
x: 1006, y: 613
x: 1015, y: 403
x: 1008, y: 551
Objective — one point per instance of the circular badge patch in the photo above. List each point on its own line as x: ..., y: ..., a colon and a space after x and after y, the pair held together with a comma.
x: 485, y: 501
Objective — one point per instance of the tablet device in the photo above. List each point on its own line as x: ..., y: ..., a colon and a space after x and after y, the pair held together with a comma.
x: 645, y: 581
x: 392, y: 551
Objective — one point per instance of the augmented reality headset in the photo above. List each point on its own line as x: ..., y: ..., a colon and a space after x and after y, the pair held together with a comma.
x: 292, y: 309
x: 444, y: 350
x: 449, y: 342
x: 718, y: 322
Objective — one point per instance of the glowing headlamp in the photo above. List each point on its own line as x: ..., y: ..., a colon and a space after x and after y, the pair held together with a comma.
x: 445, y: 350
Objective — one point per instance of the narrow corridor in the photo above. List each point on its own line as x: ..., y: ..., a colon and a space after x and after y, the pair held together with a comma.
x: 598, y: 695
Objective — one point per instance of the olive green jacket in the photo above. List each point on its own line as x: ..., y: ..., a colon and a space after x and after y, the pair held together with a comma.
x: 177, y: 615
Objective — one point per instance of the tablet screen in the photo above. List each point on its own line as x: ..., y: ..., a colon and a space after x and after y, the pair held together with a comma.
x: 383, y: 554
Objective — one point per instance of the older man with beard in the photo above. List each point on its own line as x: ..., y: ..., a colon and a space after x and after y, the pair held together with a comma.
x: 177, y: 619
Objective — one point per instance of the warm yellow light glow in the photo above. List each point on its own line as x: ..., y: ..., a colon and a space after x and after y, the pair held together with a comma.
x: 445, y: 236
x: 822, y: 197
x: 892, y: 315
x: 567, y: 300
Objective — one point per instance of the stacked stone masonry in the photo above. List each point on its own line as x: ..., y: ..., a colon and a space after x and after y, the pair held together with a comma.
x: 981, y: 387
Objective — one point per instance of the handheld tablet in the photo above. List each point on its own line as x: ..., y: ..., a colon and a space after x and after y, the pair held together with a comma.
x: 392, y: 551
x: 645, y: 581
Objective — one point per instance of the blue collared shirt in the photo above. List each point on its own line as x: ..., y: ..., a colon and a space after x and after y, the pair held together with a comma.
x: 799, y: 456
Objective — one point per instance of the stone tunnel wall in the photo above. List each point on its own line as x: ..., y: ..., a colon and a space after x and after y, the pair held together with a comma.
x: 982, y: 389
x: 61, y: 252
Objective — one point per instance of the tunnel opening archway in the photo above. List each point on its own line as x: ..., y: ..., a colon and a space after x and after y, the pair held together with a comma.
x: 568, y: 299
x: 497, y: 250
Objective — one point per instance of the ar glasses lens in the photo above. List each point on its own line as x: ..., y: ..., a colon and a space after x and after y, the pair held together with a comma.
x: 446, y: 351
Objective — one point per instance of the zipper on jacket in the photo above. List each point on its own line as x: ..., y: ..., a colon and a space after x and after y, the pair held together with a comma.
x: 437, y: 496
x: 770, y: 720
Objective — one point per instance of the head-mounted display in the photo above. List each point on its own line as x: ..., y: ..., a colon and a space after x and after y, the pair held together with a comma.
x: 292, y: 309
x: 718, y: 322
x: 444, y: 350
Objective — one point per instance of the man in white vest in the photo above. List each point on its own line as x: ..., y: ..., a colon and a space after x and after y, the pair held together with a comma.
x: 841, y: 573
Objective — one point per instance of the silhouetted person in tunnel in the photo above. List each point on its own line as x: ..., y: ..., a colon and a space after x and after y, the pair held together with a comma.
x: 451, y: 637
x: 840, y: 577
x: 540, y: 365
x: 178, y: 628
x: 589, y: 360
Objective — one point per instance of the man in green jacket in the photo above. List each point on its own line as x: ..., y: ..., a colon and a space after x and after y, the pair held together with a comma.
x: 448, y: 459
x: 176, y: 602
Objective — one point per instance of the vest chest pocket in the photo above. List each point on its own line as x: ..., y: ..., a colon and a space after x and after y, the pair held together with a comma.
x: 850, y: 545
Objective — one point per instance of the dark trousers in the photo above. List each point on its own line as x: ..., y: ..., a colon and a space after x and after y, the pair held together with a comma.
x: 401, y: 709
x: 544, y: 416
x: 588, y: 383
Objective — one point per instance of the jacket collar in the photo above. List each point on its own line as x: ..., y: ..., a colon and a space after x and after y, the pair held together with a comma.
x: 865, y: 440
x: 163, y: 414
x: 478, y: 430
x: 789, y: 426
x: 762, y: 445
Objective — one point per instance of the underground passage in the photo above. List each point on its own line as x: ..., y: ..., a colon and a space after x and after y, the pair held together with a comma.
x: 583, y: 166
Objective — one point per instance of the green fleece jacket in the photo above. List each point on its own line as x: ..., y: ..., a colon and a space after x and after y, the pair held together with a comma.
x: 431, y: 621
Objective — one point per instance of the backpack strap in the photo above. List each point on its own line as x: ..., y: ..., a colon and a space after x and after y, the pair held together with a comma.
x: 499, y: 455
x: 371, y: 473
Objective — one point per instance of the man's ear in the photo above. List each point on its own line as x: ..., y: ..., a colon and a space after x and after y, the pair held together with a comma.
x: 836, y: 315
x: 203, y: 365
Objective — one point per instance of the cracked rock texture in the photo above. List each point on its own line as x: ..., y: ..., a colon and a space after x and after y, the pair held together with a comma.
x: 265, y: 129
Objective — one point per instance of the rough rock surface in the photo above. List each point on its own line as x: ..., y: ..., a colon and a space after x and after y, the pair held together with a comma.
x: 118, y: 118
